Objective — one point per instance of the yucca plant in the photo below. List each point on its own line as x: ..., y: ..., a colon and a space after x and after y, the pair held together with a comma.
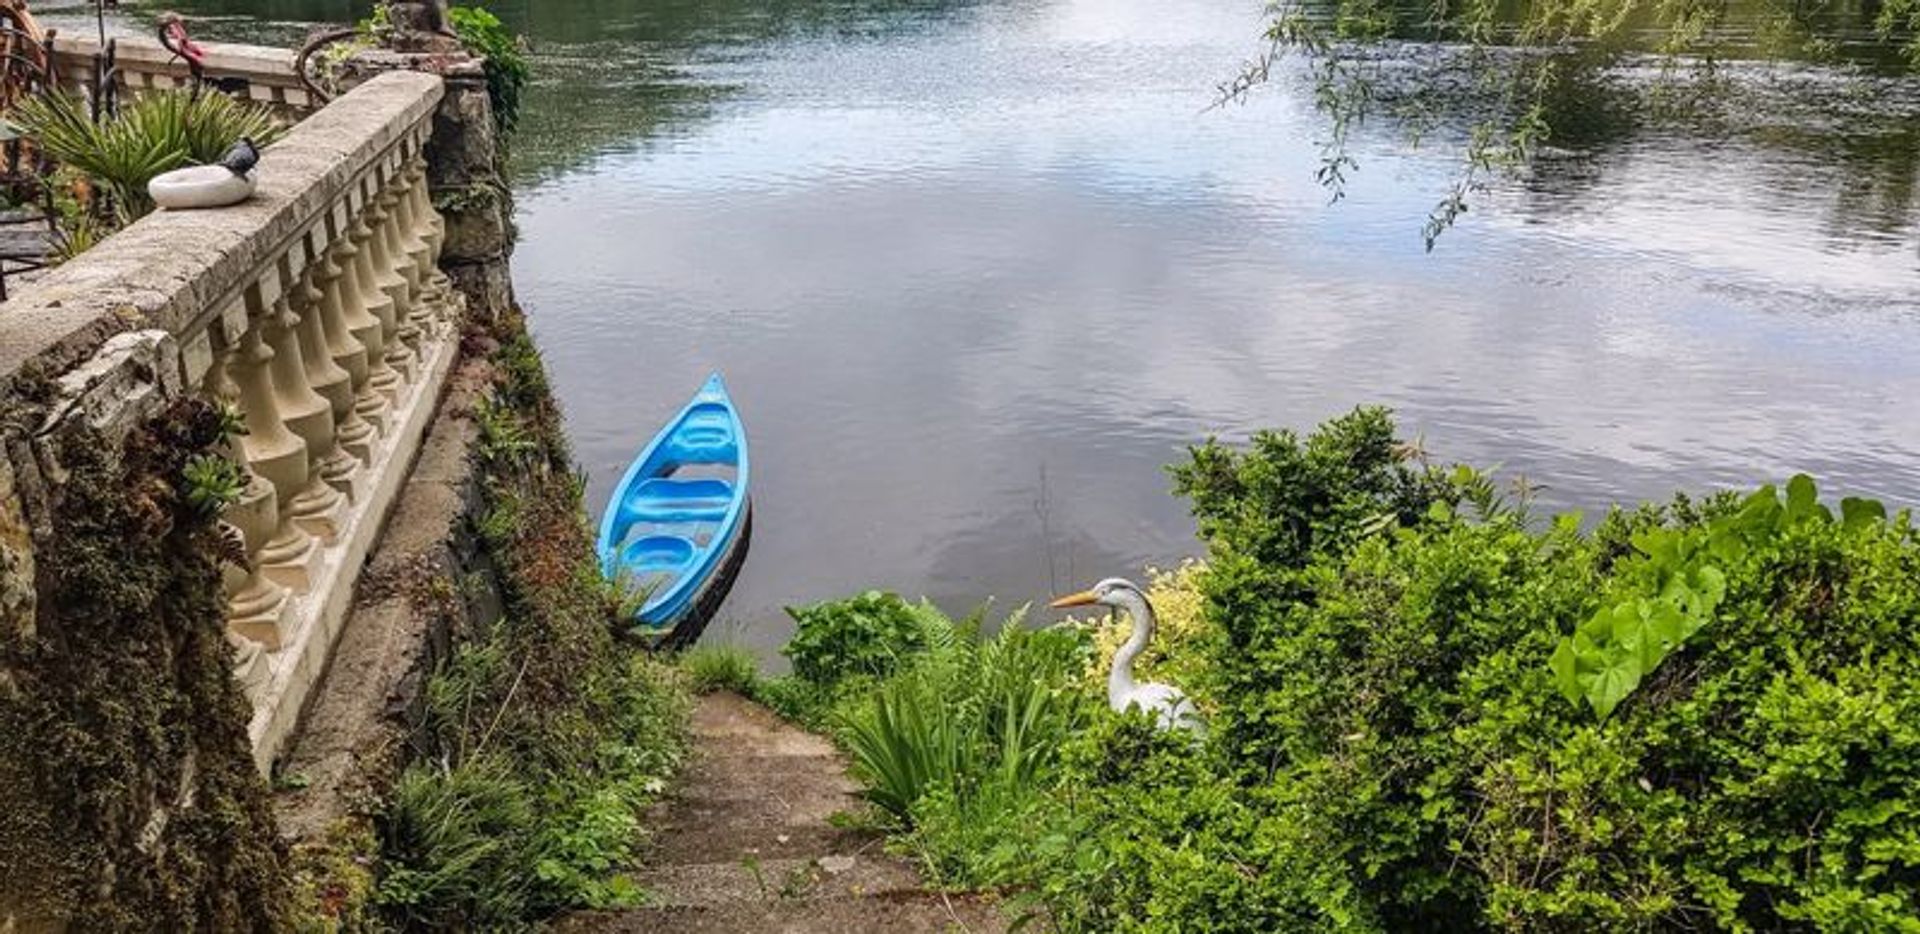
x: 153, y: 133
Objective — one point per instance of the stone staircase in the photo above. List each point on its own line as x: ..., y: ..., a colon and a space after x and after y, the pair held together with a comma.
x: 747, y: 843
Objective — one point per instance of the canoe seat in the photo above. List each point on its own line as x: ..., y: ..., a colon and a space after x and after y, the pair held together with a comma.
x: 705, y: 437
x: 657, y: 554
x: 669, y: 500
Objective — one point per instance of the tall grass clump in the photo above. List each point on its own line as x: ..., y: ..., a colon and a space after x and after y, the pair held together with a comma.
x: 954, y: 735
x: 711, y: 668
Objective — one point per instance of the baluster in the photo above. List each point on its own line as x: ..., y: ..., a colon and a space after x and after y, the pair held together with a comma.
x: 342, y: 319
x: 387, y: 272
x: 379, y: 304
x: 318, y: 505
x: 258, y: 608
x: 429, y: 302
x: 332, y: 382
x: 453, y: 301
x: 250, y: 668
x: 383, y: 381
x: 277, y: 456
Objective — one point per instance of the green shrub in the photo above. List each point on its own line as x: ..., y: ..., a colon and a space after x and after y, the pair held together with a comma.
x: 865, y: 635
x: 1401, y: 741
x: 1384, y: 667
x: 506, y: 63
x: 712, y: 668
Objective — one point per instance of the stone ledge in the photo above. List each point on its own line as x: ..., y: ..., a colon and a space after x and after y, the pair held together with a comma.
x: 173, y: 270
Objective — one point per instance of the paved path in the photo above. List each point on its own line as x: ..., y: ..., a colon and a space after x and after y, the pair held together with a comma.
x: 746, y: 843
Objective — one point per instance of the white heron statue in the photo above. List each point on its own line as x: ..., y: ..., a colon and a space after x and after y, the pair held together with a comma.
x: 1170, y: 707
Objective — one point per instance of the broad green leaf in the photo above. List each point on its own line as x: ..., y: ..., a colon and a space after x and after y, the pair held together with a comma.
x: 1612, y: 685
x: 1667, y: 627
x: 1726, y: 544
x: 1760, y: 512
x: 1802, y: 499
x: 1856, y: 512
x: 1711, y: 582
x: 1562, y: 665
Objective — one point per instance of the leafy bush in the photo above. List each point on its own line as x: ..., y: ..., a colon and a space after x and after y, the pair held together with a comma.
x: 1430, y: 712
x: 864, y: 635
x: 1400, y: 753
x: 153, y: 133
x: 506, y: 63
x: 712, y: 668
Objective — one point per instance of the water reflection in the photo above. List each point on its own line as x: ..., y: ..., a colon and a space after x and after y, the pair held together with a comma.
x: 976, y: 272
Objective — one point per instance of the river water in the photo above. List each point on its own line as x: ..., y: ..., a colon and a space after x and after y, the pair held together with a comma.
x: 976, y: 272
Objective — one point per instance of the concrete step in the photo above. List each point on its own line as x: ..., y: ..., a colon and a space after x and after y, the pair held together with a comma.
x: 695, y: 885
x: 872, y: 914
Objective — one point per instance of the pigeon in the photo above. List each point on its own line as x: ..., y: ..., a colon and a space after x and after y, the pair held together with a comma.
x: 241, y: 158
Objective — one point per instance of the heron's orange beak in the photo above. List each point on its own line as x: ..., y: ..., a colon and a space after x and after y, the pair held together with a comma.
x: 1082, y: 598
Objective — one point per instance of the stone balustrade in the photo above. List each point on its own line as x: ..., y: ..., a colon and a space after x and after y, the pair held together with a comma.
x: 316, y: 310
x: 261, y: 73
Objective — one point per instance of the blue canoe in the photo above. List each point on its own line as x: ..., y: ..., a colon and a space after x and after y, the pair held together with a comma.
x: 677, y: 524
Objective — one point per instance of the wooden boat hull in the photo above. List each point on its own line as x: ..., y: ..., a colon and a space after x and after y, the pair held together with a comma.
x: 677, y: 526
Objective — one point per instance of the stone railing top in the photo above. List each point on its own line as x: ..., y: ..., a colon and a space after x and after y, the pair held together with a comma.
x: 254, y: 62
x: 176, y: 270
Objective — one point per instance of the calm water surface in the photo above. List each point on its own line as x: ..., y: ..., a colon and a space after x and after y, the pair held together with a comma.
x: 977, y: 271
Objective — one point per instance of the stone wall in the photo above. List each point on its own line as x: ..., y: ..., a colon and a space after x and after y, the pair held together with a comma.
x: 305, y: 336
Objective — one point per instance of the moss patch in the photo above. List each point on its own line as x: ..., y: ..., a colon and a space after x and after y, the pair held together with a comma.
x: 132, y: 798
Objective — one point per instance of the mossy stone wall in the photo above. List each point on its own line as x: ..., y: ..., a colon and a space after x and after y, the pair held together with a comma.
x: 131, y: 799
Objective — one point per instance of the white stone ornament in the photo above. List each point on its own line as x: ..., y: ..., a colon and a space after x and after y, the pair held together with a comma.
x: 230, y: 181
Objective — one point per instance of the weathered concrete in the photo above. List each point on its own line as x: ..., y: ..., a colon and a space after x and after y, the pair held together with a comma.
x: 406, y: 613
x: 747, y: 843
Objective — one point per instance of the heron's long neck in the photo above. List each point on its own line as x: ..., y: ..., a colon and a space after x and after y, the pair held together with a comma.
x: 1120, y: 680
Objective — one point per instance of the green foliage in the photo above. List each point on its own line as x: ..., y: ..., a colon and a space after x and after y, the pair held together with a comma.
x: 712, y: 668
x: 212, y: 483
x: 153, y: 133
x: 504, y: 439
x: 91, y: 742
x: 907, y: 738
x: 506, y: 62
x: 544, y: 736
x: 956, y: 738
x: 1393, y: 750
x: 1384, y: 649
x: 869, y: 634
